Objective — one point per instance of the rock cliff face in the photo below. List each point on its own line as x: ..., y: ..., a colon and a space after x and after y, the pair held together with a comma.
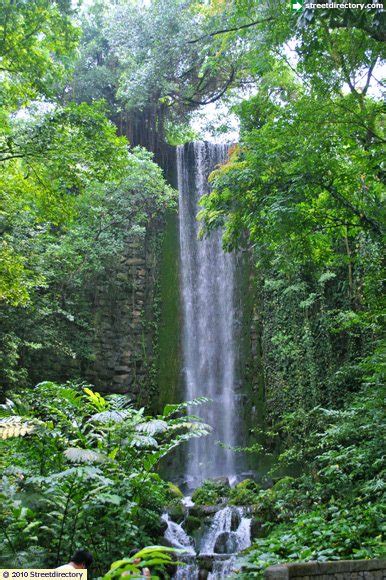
x: 131, y: 340
x: 116, y: 336
x: 125, y: 313
x: 135, y: 330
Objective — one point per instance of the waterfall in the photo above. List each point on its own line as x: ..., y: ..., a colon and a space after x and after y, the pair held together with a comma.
x: 229, y: 533
x: 208, y: 288
x: 216, y: 549
x: 177, y: 537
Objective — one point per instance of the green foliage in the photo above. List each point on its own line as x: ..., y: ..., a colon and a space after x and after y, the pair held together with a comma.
x: 154, y: 64
x: 244, y: 493
x: 335, y: 509
x: 72, y: 195
x: 77, y: 465
x: 38, y: 38
x: 158, y: 558
x: 303, y: 192
x: 335, y: 532
x: 211, y: 493
x: 64, y: 224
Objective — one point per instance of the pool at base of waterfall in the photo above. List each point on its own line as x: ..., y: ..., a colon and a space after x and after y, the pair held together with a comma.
x: 210, y: 551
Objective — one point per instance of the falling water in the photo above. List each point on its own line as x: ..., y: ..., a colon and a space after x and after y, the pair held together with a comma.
x: 228, y: 533
x: 208, y: 280
x: 177, y: 537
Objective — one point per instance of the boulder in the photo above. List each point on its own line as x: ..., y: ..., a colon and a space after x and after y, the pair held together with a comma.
x: 174, y: 490
x: 236, y: 519
x: 176, y: 512
x: 202, y: 511
x: 256, y: 528
x: 162, y: 541
x: 226, y: 543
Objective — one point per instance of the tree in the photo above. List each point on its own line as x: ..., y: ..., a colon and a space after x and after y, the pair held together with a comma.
x: 38, y: 38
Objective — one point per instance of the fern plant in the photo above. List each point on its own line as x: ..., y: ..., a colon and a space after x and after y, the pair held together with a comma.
x: 84, y: 467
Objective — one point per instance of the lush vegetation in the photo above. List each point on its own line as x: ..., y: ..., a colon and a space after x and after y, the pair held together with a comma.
x: 80, y: 469
x: 303, y: 189
x: 73, y: 195
x: 301, y: 193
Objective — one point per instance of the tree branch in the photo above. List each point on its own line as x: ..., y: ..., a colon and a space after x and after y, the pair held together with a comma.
x: 216, y: 97
x: 233, y: 29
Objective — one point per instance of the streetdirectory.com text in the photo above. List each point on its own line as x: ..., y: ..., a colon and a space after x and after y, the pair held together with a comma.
x: 373, y: 5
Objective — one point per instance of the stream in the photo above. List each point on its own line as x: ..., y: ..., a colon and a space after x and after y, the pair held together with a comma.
x: 211, y: 553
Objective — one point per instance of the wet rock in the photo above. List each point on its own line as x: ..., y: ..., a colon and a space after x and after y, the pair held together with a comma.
x: 236, y: 519
x: 256, y: 528
x: 206, y: 563
x: 202, y: 511
x: 164, y: 542
x: 226, y: 543
x: 176, y: 512
x: 162, y: 526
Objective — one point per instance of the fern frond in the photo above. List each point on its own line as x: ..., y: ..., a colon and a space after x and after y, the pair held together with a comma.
x: 152, y: 427
x: 15, y: 426
x: 110, y: 416
x: 78, y: 455
x: 142, y: 441
x: 118, y: 402
x: 172, y: 409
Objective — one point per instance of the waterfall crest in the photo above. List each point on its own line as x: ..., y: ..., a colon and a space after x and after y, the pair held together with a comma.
x: 208, y: 288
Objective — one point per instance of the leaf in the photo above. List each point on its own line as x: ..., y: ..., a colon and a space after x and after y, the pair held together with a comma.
x: 171, y: 409
x: 96, y: 399
x: 152, y: 427
x: 142, y: 441
x: 110, y: 416
x: 77, y: 455
x: 15, y: 426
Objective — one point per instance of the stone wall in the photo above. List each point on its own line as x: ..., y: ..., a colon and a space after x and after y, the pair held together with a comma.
x: 113, y: 342
x: 125, y: 316
x: 340, y: 570
x: 126, y: 337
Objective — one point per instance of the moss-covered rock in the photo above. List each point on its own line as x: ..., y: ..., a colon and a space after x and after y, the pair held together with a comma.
x: 176, y: 511
x: 192, y: 523
x: 204, y: 511
x: 211, y: 492
x: 244, y: 493
x: 174, y: 491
